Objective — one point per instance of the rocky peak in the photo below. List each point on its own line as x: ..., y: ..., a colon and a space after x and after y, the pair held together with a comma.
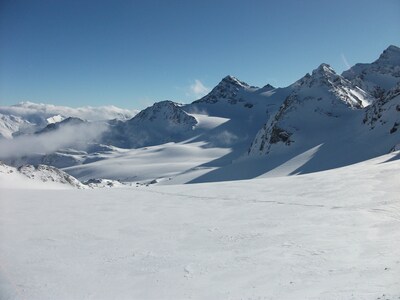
x: 165, y: 110
x: 268, y: 87
x: 228, y: 88
x: 378, y: 77
x: 324, y: 75
x: 391, y: 55
x: 231, y: 80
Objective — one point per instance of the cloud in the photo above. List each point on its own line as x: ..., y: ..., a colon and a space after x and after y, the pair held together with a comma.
x: 67, y: 136
x: 198, y: 89
x: 39, y: 112
x: 346, y: 63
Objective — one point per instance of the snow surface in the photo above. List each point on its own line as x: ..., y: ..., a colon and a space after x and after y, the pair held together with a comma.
x: 327, y: 235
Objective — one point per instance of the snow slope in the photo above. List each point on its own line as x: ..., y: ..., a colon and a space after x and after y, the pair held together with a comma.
x: 36, y: 177
x: 327, y: 235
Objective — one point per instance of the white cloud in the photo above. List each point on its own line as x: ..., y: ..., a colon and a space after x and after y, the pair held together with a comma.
x: 36, y: 111
x: 68, y: 136
x: 198, y: 89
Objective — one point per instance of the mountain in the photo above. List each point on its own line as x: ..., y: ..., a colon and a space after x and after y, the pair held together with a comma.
x: 323, y: 120
x: 378, y: 77
x: 329, y: 122
x: 316, y: 107
x: 28, y: 117
x: 230, y: 88
x: 164, y: 121
x: 30, y: 176
x: 9, y: 124
x: 70, y: 121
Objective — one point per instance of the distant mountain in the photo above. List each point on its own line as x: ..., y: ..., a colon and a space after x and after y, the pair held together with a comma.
x: 230, y: 88
x: 164, y: 121
x: 70, y: 121
x: 28, y: 117
x: 9, y: 124
x: 378, y: 77
x: 321, y: 121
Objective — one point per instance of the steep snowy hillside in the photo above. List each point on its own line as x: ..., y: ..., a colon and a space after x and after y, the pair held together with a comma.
x: 330, y: 235
x: 320, y: 104
x: 36, y: 177
x: 378, y: 77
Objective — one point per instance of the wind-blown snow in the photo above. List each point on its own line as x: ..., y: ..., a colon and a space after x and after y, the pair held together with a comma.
x: 328, y: 235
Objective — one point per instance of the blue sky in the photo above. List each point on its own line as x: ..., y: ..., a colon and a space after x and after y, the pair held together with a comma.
x: 133, y: 53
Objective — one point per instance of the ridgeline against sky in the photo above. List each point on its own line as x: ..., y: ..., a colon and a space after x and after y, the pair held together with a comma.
x: 133, y: 53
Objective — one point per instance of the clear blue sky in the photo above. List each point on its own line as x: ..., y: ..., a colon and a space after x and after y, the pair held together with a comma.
x: 133, y: 53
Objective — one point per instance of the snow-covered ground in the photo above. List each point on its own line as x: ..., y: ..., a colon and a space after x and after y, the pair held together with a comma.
x: 325, y: 235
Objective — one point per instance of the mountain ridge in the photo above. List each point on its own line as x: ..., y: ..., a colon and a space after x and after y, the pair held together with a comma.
x: 322, y: 110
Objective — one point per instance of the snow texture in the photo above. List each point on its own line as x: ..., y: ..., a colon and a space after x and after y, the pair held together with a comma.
x: 327, y: 235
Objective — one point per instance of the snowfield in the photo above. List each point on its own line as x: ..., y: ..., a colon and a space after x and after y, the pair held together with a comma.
x: 326, y: 235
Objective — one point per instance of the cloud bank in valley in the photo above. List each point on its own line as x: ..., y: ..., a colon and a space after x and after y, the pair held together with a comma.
x: 76, y: 136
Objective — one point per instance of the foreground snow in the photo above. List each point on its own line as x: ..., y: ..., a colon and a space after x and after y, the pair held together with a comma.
x: 326, y: 235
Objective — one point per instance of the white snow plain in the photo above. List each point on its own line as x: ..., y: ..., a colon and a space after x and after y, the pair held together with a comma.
x: 326, y: 235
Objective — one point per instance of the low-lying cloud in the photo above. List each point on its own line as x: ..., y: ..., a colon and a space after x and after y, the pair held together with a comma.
x: 36, y: 111
x: 76, y: 136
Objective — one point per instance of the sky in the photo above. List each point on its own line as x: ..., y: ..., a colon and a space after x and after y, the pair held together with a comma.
x: 134, y: 53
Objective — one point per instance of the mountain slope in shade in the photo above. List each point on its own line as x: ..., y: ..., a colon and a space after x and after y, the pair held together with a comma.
x: 378, y: 77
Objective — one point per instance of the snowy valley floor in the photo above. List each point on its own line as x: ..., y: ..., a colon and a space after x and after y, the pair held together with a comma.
x: 326, y: 235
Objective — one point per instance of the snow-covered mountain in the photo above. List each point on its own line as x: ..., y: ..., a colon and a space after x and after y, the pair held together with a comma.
x: 378, y: 77
x: 10, y: 124
x: 230, y: 88
x: 324, y: 120
x: 164, y: 121
x: 70, y: 121
x: 28, y: 117
x: 328, y: 122
x: 40, y: 176
x: 318, y: 105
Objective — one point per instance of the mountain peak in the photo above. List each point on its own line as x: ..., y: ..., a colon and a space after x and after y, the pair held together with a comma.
x: 234, y: 81
x: 228, y: 88
x: 268, y: 87
x: 323, y: 69
x: 391, y: 55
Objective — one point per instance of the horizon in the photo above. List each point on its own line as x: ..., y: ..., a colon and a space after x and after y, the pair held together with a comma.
x: 95, y: 54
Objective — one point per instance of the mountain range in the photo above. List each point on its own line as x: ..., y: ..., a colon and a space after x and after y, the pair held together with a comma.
x: 322, y: 121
